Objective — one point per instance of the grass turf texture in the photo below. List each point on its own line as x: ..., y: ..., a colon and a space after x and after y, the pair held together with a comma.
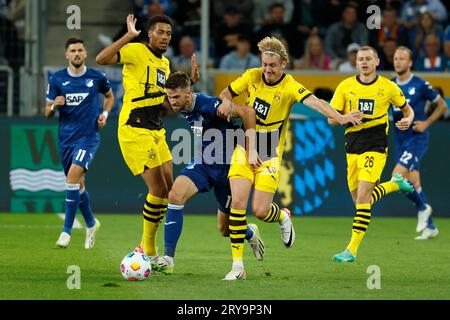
x: 32, y: 268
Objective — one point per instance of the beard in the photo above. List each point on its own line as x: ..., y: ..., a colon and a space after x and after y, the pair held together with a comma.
x: 402, y: 72
x: 161, y: 50
x: 77, y: 64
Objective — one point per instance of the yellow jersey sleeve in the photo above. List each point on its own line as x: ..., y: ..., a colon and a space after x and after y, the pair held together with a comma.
x: 127, y: 54
x: 241, y: 84
x: 397, y: 97
x: 299, y: 92
x: 338, y: 100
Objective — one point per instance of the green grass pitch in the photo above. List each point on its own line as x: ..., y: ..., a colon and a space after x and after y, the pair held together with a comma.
x: 32, y: 268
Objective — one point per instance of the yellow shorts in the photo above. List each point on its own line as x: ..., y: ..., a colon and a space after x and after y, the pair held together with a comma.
x: 143, y: 148
x: 367, y: 166
x: 266, y: 178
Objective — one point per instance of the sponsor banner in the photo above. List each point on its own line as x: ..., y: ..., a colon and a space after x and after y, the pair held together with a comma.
x: 308, y: 171
x: 312, y: 178
x: 36, y: 178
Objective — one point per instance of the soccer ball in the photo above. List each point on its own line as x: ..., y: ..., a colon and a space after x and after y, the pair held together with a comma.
x: 135, y: 266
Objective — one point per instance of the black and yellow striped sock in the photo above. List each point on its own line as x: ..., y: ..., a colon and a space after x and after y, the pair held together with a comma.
x: 238, y: 228
x: 274, y: 214
x: 153, y: 214
x: 360, y: 225
x: 382, y: 190
x: 165, y: 204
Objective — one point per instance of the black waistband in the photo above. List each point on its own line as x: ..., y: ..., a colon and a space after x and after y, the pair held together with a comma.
x: 370, y: 139
x: 147, y: 117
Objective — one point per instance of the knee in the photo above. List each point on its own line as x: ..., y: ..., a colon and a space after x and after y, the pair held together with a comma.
x: 363, y: 198
x: 238, y: 202
x: 176, y: 197
x: 159, y: 190
x: 260, y: 212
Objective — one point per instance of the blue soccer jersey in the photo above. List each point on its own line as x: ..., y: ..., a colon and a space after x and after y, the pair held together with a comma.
x: 78, y: 117
x: 417, y: 92
x: 411, y: 146
x: 210, y: 169
x: 209, y: 127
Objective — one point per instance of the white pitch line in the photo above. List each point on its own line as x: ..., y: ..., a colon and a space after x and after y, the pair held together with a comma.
x: 29, y: 226
x: 76, y: 223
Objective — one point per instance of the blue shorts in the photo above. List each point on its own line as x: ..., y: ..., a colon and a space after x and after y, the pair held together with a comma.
x: 408, y: 153
x: 81, y: 155
x: 205, y: 177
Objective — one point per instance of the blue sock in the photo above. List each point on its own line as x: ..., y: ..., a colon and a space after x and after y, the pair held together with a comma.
x: 85, y: 208
x: 248, y: 233
x: 422, y: 195
x: 72, y: 201
x: 172, y: 228
x: 416, y: 198
x: 431, y: 223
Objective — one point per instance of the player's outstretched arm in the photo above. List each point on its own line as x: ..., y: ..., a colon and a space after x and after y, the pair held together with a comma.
x: 408, y: 117
x: 108, y: 104
x: 333, y: 122
x: 355, y: 113
x: 109, y: 54
x: 421, y: 126
x: 51, y: 106
x: 328, y: 111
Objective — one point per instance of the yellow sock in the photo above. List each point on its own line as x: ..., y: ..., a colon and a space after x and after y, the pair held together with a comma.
x: 360, y: 225
x: 382, y: 190
x: 238, y: 228
x: 153, y: 214
x: 274, y: 214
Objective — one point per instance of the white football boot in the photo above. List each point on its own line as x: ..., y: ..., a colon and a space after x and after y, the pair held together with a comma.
x: 63, y: 240
x: 256, y: 242
x: 165, y: 265
x: 90, y: 235
x: 236, y: 274
x: 428, y: 234
x: 422, y: 218
x: 287, y: 229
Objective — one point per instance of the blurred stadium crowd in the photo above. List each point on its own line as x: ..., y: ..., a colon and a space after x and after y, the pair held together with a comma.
x: 320, y: 34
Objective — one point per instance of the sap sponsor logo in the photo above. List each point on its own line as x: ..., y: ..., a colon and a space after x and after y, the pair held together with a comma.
x: 74, y: 99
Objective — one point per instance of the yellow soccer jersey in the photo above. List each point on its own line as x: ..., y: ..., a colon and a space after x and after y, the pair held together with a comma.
x: 373, y: 99
x: 272, y: 103
x: 144, y: 78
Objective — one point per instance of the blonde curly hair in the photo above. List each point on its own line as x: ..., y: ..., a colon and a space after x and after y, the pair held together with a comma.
x: 273, y: 46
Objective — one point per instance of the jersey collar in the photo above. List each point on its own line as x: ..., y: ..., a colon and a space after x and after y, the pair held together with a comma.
x: 155, y: 53
x: 402, y: 83
x: 367, y: 83
x: 273, y: 84
x: 76, y: 75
